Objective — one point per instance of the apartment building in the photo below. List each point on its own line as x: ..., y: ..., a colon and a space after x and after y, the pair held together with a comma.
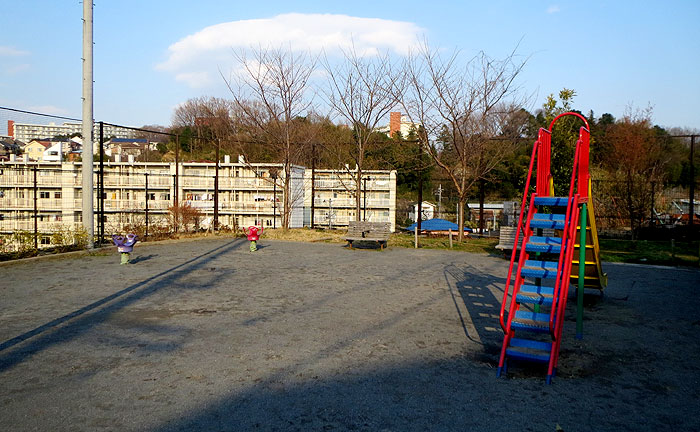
x: 248, y: 194
x: 334, y: 194
x: 26, y: 132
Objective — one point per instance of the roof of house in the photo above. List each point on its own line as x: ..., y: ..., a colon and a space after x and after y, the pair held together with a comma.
x: 128, y: 140
x: 437, y: 225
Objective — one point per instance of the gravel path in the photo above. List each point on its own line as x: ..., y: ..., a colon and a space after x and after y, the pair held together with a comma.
x: 204, y: 335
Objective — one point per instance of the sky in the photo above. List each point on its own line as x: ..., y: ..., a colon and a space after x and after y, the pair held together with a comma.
x: 150, y: 56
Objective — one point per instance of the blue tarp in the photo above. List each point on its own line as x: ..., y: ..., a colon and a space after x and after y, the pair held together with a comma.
x: 437, y: 225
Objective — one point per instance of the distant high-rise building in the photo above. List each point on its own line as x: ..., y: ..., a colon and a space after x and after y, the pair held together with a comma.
x: 26, y: 132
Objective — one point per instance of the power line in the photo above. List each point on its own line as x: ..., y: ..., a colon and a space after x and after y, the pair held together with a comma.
x: 39, y: 114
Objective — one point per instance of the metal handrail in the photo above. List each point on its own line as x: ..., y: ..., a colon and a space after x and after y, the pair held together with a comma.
x: 535, y: 148
x: 521, y: 261
x: 565, y: 239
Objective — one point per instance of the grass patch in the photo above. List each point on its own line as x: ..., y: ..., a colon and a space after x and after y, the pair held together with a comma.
x: 649, y: 252
x: 475, y: 245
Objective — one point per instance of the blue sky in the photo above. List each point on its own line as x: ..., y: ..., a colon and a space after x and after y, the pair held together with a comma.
x: 150, y: 56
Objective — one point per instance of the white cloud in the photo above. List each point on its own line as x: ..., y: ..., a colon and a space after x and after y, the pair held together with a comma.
x: 553, y: 9
x: 6, y: 51
x: 14, y: 70
x: 196, y: 58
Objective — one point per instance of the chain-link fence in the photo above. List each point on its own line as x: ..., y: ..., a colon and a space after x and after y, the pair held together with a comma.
x: 623, y: 209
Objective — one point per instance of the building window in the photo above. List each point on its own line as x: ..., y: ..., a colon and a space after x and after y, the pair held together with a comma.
x: 45, y: 240
x: 44, y: 194
x: 151, y: 196
x: 57, y: 195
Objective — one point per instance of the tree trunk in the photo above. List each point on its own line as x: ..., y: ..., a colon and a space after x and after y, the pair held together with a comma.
x: 358, y: 188
x: 287, y: 187
x: 460, y: 219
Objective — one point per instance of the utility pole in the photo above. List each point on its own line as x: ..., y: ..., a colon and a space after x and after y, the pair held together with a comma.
x: 87, y: 167
x: 439, y: 194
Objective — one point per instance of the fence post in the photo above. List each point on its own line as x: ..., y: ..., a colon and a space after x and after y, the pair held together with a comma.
x: 450, y: 238
x: 651, y: 211
x: 673, y: 250
x: 101, y: 189
x: 175, y: 211
x: 691, y: 197
x: 146, y: 233
x: 36, y: 212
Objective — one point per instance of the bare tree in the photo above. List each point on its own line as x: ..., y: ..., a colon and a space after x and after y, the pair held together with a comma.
x: 360, y: 91
x: 468, y: 113
x: 278, y: 81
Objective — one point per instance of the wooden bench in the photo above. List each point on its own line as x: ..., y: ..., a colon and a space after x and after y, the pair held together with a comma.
x: 368, y: 231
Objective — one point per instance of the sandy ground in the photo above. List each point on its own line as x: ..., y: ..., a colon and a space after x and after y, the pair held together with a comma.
x: 204, y: 335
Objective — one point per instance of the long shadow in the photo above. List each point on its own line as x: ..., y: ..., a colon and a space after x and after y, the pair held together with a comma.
x: 102, y: 308
x: 470, y: 291
x: 445, y: 394
x: 142, y: 258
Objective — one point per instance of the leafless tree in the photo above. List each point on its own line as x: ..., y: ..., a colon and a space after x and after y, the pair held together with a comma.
x: 360, y: 91
x: 277, y: 80
x: 469, y: 113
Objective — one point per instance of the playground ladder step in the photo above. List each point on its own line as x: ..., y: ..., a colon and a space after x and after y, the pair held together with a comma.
x: 547, y: 220
x: 528, y: 349
x: 540, y: 269
x: 543, y: 244
x: 588, y: 263
x: 531, y: 321
x: 533, y: 294
x: 552, y: 201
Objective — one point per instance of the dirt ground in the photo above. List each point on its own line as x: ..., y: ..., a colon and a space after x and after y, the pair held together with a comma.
x: 204, y: 335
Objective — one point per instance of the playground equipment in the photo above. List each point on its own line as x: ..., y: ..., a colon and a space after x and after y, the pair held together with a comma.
x: 559, y: 247
x: 125, y: 245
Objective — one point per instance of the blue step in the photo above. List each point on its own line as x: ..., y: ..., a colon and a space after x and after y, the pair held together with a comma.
x: 546, y: 220
x: 543, y: 244
x: 531, y: 321
x: 529, y: 350
x: 552, y: 201
x: 539, y: 269
x: 533, y: 294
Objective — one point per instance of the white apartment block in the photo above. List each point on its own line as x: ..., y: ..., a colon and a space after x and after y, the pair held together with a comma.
x: 334, y: 197
x: 26, y: 132
x: 247, y: 195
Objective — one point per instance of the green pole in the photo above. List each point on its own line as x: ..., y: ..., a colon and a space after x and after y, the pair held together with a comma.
x: 581, y: 272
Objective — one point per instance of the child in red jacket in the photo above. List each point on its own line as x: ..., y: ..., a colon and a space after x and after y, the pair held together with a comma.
x: 253, y: 236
